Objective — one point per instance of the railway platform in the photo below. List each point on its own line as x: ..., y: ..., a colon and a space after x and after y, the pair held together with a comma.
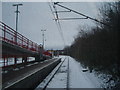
x: 28, y: 76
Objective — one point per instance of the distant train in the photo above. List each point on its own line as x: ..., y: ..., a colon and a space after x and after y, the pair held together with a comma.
x: 47, y: 55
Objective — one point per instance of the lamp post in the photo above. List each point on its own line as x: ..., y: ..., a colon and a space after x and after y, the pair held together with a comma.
x: 43, y: 37
x: 17, y: 11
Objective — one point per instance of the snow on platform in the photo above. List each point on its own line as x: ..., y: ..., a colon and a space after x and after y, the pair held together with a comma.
x: 78, y: 76
x: 59, y: 80
x: 80, y: 79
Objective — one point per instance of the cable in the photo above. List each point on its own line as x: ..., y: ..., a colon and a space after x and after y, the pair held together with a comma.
x: 51, y: 10
x: 57, y: 22
x: 59, y: 25
x: 60, y: 30
x: 56, y: 3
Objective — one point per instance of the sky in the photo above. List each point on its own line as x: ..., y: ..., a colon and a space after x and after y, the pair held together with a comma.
x: 37, y: 16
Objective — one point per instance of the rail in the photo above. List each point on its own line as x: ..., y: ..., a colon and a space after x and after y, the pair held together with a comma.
x: 43, y: 85
x: 9, y: 35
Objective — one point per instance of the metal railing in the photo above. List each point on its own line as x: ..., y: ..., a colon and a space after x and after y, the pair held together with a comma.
x: 9, y: 35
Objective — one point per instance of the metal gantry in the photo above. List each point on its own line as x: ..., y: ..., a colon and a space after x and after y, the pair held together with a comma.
x: 79, y: 13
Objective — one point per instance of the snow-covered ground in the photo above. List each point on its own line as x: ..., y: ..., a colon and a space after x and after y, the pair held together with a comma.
x: 80, y: 79
x: 77, y: 78
x: 45, y: 81
x: 59, y: 80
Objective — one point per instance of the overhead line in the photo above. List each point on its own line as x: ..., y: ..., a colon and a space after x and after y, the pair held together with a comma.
x: 70, y: 18
x: 57, y: 24
x: 56, y: 3
x: 51, y: 10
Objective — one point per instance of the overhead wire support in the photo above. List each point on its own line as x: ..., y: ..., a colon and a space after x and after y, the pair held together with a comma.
x: 55, y: 12
x: 62, y: 11
x: 70, y: 18
x: 88, y: 17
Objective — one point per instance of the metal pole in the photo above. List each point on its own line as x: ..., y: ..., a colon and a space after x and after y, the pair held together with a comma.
x: 17, y: 17
x: 17, y: 11
x: 43, y: 36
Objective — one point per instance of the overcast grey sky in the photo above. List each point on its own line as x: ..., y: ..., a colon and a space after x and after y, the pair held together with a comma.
x: 35, y: 16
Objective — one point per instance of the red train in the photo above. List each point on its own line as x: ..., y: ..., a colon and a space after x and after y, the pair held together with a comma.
x: 47, y: 55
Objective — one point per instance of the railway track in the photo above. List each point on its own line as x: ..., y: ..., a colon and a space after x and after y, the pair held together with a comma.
x: 12, y: 68
x: 55, y: 71
x: 12, y: 78
x: 68, y: 75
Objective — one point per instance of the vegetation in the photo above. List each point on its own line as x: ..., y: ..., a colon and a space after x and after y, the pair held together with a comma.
x: 98, y: 48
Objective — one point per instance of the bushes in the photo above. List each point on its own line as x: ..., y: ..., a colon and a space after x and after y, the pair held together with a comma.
x: 98, y: 49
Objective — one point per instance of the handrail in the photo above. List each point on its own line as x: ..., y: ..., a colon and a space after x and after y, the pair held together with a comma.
x: 9, y: 35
